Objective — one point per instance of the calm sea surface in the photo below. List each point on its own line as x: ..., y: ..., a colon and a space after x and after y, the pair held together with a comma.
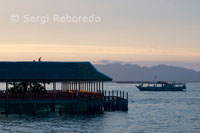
x: 169, y: 112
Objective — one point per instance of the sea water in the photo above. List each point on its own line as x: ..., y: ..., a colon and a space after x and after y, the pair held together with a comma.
x: 162, y: 112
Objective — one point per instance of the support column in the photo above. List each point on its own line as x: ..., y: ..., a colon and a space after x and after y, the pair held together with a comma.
x: 97, y: 86
x: 90, y: 87
x: 79, y: 83
x: 7, y: 86
x: 30, y: 86
x: 14, y: 84
x: 102, y: 85
x: 54, y: 86
x: 85, y: 84
x: 67, y: 85
x: 94, y: 87
x: 76, y: 85
x: 45, y: 85
x: 72, y: 83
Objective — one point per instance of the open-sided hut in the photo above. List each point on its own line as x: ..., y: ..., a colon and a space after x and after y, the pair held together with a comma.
x: 81, y: 87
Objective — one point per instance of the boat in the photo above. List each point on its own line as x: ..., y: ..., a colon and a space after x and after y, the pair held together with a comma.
x: 162, y: 86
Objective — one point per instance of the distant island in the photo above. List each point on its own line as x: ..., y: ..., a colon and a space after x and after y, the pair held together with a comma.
x: 134, y: 73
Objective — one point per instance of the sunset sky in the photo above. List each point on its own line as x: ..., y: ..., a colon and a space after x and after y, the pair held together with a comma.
x: 135, y: 31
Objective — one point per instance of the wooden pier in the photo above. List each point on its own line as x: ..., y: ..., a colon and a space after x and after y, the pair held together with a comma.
x: 81, y: 91
x: 63, y: 102
x: 115, y: 101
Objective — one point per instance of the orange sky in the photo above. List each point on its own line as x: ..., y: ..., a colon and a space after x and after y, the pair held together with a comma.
x: 94, y: 53
x: 132, y: 30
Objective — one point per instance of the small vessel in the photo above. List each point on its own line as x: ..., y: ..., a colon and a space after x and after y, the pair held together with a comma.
x: 162, y: 86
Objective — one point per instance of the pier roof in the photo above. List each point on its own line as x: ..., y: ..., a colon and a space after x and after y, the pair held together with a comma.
x: 50, y: 72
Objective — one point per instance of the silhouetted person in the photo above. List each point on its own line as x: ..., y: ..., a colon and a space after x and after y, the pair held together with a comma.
x: 40, y: 59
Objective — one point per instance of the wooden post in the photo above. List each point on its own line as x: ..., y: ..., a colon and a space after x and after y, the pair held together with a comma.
x: 98, y: 86
x: 14, y: 84
x: 109, y: 95
x: 7, y: 85
x: 86, y: 85
x: 102, y: 85
x: 75, y: 86
x: 67, y: 87
x: 45, y: 85
x: 112, y: 94
x: 89, y: 86
x: 109, y: 100
x: 82, y: 86
x: 72, y: 85
x: 86, y: 88
x: 72, y: 88
x: 30, y: 86
x: 79, y: 85
x: 94, y: 87
x: 54, y: 86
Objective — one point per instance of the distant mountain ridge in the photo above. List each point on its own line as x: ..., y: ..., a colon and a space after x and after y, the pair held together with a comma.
x: 133, y: 72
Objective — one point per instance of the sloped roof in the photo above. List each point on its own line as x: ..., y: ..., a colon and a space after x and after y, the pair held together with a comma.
x: 50, y: 71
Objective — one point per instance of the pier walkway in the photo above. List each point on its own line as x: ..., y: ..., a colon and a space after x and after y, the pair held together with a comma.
x: 63, y: 102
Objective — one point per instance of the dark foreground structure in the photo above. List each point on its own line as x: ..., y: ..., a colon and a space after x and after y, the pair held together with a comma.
x: 81, y: 90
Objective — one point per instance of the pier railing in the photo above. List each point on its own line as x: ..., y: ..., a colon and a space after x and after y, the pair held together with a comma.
x: 51, y: 95
x: 90, y: 101
x: 115, y: 100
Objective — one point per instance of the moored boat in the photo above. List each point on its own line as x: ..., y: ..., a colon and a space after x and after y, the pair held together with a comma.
x: 162, y: 86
